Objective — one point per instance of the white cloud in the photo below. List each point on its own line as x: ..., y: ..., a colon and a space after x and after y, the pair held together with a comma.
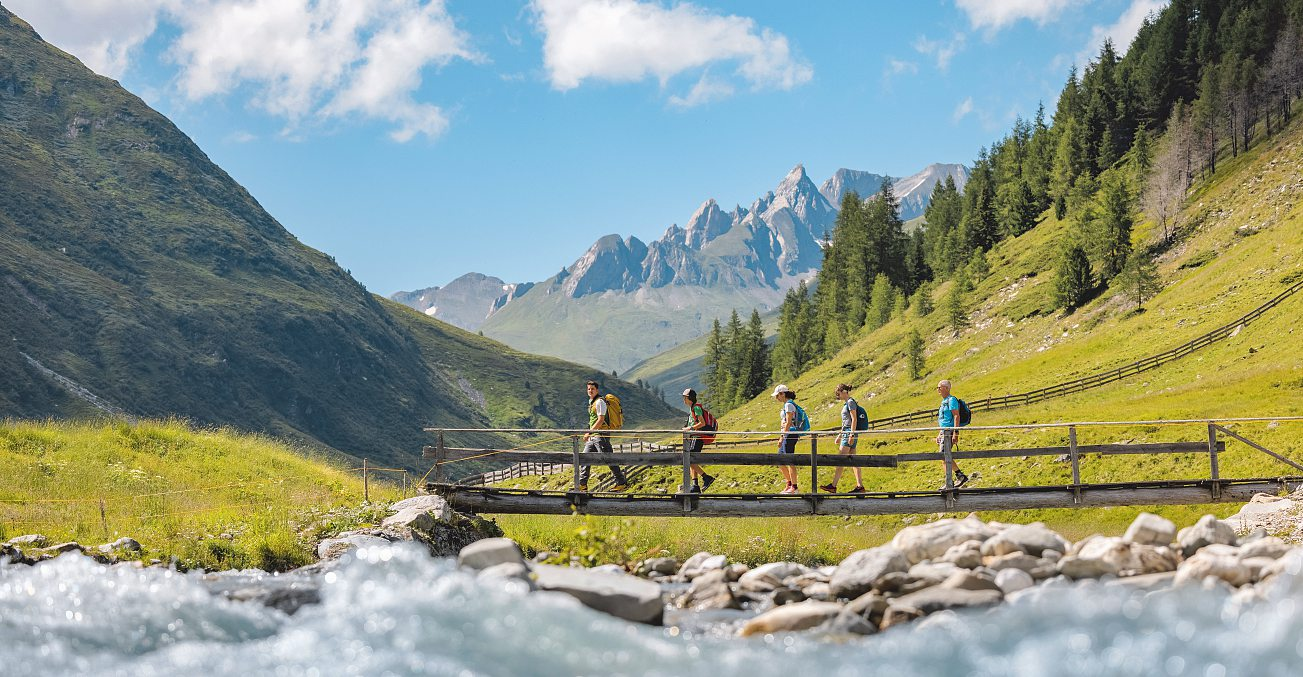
x: 102, y: 33
x: 943, y: 52
x: 628, y: 41
x: 1122, y: 31
x: 301, y: 60
x: 706, y: 90
x: 962, y: 111
x: 241, y: 136
x: 900, y: 67
x: 996, y: 14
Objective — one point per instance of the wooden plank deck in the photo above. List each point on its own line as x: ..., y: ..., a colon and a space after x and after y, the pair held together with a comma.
x: 1171, y: 492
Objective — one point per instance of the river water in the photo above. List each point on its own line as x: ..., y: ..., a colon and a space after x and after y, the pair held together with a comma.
x: 397, y: 611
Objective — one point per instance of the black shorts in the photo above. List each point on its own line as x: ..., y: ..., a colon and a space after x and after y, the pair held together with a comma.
x: 787, y: 444
x: 692, y: 444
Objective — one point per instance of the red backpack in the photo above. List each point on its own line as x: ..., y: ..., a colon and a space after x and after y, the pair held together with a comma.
x: 711, y: 425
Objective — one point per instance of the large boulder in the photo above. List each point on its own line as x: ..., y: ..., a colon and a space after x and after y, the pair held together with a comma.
x: 791, y: 618
x: 1207, y: 531
x: 857, y: 573
x: 435, y: 505
x: 1150, y: 529
x: 410, y: 518
x: 1032, y: 539
x: 490, y: 552
x: 620, y: 595
x: 937, y: 598
x: 927, y: 541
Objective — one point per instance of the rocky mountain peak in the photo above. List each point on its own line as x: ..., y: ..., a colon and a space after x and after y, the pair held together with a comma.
x: 706, y: 224
x: 843, y: 181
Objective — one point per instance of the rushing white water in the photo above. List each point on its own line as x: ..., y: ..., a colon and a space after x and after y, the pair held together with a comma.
x: 396, y: 611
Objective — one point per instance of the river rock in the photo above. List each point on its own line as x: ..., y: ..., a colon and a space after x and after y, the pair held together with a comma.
x: 123, y: 544
x: 1147, y: 582
x: 620, y: 595
x: 1077, y: 568
x: 1013, y: 580
x: 12, y: 554
x: 516, y: 570
x: 847, y: 622
x: 967, y: 555
x: 1150, y: 529
x: 937, y: 598
x: 333, y: 548
x: 1256, y: 566
x: 1014, y: 560
x: 1263, y: 509
x: 666, y: 566
x: 870, y: 605
x: 769, y: 576
x: 1269, y: 546
x: 791, y: 618
x: 1206, y: 531
x: 70, y: 546
x: 784, y: 596
x: 701, y: 563
x: 435, y: 505
x: 1129, y: 558
x: 934, y: 571
x: 735, y: 571
x: 709, y: 591
x: 967, y: 580
x: 1032, y: 539
x: 857, y: 573
x: 410, y: 518
x: 1216, y: 562
x: 899, y: 614
x: 927, y: 541
x: 29, y: 541
x: 489, y: 552
x: 819, y: 591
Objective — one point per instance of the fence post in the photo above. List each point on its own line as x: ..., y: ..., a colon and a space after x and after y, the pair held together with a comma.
x: 366, y: 487
x: 1214, y: 473
x: 574, y: 453
x: 946, y: 458
x: 814, y: 473
x: 687, y: 476
x: 1076, y: 464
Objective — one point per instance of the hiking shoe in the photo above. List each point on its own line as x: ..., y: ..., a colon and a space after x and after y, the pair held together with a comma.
x: 706, y: 481
x: 620, y: 487
x: 857, y: 490
x: 789, y: 489
x: 962, y: 479
x: 829, y: 488
x: 695, y: 489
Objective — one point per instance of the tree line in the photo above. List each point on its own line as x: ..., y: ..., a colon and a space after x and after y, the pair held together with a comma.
x: 736, y: 362
x: 1128, y: 132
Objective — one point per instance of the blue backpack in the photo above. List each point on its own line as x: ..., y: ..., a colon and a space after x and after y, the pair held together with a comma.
x: 802, y: 421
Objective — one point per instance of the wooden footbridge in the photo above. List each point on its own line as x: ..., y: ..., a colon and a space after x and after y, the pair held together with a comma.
x: 1199, y: 456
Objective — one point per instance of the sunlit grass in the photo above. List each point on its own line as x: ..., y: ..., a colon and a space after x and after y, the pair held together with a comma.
x: 211, y: 498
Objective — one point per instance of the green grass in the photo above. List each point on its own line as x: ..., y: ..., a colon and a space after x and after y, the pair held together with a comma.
x: 213, y: 498
x: 1250, y: 216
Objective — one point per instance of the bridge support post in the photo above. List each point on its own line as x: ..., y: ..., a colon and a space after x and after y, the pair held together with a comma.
x: 814, y: 474
x: 1076, y: 464
x: 687, y: 477
x: 947, y: 441
x: 1214, y: 474
x: 440, y: 453
x: 574, y: 452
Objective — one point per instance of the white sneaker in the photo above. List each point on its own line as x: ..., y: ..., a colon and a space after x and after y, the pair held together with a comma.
x: 791, y: 489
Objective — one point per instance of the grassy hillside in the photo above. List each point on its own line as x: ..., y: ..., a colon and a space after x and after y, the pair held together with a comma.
x: 683, y: 365
x: 1242, y: 243
x: 616, y: 331
x: 212, y: 498
x: 137, y: 277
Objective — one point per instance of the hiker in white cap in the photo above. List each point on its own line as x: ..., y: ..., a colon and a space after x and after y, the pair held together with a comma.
x: 792, y: 421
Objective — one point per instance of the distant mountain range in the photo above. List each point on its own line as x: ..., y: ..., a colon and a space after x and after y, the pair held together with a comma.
x: 625, y: 300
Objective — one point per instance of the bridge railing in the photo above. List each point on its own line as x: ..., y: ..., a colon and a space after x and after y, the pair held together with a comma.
x: 1211, y: 441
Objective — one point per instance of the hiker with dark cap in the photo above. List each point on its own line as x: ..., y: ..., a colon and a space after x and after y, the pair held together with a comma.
x: 595, y: 441
x: 853, y: 420
x: 698, y: 419
x: 948, y: 417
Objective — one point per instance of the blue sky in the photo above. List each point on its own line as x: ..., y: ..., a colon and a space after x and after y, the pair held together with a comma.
x: 418, y: 140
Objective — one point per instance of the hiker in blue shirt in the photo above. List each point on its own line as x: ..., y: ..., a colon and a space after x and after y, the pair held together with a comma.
x: 948, y: 417
x: 791, y: 420
x: 847, y: 440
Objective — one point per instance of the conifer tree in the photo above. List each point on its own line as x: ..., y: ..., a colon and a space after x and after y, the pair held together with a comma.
x: 1074, y: 280
x: 977, y: 268
x: 1138, y: 280
x: 881, y: 301
x: 794, y: 349
x: 1111, y: 238
x: 900, y: 304
x: 914, y: 351
x: 714, y: 364
x: 922, y: 300
x: 957, y: 305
